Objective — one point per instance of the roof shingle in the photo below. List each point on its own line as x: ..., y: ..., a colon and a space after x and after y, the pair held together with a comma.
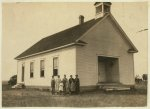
x: 62, y: 38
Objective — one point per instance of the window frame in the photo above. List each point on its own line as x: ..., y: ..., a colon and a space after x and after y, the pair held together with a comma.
x: 42, y: 68
x: 32, y: 70
x: 106, y: 8
x: 99, y: 9
x: 55, y: 68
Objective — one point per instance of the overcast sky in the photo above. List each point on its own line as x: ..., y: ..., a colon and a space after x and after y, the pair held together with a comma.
x: 24, y: 24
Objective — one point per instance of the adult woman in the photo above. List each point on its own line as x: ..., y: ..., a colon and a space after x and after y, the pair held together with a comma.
x: 57, y: 82
x: 72, y: 85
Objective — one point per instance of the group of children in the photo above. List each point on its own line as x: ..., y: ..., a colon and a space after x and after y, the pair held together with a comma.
x: 65, y: 86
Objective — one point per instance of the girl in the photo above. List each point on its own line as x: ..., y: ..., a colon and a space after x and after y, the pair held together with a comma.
x: 61, y: 87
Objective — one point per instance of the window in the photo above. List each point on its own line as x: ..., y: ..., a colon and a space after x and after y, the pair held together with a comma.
x: 42, y: 68
x: 106, y: 8
x: 55, y: 66
x: 31, y: 69
x: 99, y: 9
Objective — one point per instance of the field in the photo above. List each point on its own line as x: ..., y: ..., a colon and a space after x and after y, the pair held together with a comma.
x: 96, y: 98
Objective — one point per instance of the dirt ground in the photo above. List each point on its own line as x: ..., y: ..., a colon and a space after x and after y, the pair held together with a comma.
x: 96, y: 98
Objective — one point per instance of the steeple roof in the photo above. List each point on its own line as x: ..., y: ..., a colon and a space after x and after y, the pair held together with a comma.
x: 109, y: 3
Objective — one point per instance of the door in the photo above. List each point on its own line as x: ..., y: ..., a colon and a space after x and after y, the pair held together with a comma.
x: 108, y: 69
x: 101, y: 71
x: 22, y: 73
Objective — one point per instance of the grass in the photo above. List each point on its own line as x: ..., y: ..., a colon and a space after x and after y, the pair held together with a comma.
x: 97, y: 98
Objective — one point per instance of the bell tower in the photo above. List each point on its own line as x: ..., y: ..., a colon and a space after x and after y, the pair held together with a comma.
x: 102, y: 8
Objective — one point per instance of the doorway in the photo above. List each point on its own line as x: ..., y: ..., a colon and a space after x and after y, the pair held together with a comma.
x: 108, y: 69
x: 23, y: 68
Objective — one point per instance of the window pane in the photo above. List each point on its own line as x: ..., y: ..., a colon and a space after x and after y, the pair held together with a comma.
x: 55, y: 62
x: 42, y: 64
x: 42, y: 73
x: 31, y: 74
x: 31, y: 69
x: 55, y: 72
x: 31, y: 66
x: 106, y: 8
x: 99, y: 9
x: 55, y: 66
x: 42, y: 68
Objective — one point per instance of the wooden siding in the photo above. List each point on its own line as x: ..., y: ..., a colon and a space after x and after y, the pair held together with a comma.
x: 66, y: 61
x: 103, y: 40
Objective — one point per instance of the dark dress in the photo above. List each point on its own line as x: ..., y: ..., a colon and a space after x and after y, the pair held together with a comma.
x: 71, y: 85
x: 64, y: 84
x: 53, y: 85
x: 77, y: 85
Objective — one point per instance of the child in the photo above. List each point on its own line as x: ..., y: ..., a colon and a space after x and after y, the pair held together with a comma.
x: 61, y: 87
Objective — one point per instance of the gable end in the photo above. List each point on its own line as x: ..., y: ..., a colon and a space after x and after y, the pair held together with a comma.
x: 131, y: 50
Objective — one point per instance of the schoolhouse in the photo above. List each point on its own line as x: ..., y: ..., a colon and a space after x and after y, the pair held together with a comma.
x: 98, y: 50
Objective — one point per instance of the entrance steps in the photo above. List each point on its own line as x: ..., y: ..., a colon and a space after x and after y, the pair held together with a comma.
x: 113, y: 86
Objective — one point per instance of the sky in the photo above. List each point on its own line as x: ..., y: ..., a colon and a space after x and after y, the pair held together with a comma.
x: 23, y: 24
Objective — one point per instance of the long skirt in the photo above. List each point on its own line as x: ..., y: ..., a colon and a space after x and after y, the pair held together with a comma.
x: 72, y: 87
x: 57, y: 87
x: 67, y: 90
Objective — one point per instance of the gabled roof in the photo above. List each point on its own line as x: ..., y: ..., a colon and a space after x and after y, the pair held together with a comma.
x: 59, y: 39
x: 70, y: 36
x: 131, y: 50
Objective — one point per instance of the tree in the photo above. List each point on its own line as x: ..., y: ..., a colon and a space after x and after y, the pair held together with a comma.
x: 13, y: 80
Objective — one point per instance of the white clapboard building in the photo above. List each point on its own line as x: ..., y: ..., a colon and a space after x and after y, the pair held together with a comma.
x: 98, y: 50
